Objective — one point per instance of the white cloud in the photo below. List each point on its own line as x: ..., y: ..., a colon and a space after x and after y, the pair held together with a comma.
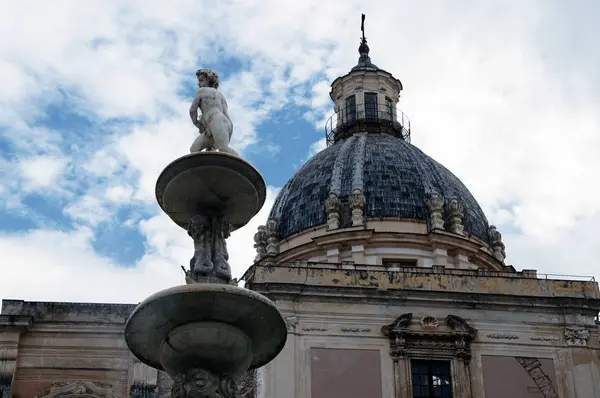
x: 119, y: 193
x: 43, y: 171
x: 50, y: 265
x: 493, y: 92
x: 316, y: 147
x: 88, y: 209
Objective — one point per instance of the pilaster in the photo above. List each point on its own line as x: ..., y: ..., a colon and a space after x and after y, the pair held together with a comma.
x: 11, y: 328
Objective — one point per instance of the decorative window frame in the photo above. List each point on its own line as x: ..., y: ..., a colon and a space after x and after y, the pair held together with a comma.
x: 78, y: 389
x: 449, y: 343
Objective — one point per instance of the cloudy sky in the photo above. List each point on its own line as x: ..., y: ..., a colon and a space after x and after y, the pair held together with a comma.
x: 94, y: 100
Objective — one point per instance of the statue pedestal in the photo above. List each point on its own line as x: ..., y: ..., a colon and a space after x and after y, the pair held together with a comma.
x: 205, y: 335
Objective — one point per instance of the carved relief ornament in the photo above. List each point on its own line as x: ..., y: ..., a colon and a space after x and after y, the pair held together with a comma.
x: 403, y: 341
x: 291, y: 322
x: 78, y: 388
x: 429, y: 322
x: 576, y: 336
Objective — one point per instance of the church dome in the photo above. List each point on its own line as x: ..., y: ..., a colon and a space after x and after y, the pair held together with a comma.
x: 395, y: 177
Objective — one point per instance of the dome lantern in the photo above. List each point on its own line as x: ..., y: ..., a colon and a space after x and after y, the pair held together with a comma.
x: 365, y: 101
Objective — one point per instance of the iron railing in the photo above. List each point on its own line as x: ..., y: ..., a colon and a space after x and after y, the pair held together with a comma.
x: 370, y: 118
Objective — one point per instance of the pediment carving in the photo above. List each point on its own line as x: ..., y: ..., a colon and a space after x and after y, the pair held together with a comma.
x: 453, y: 341
x: 78, y: 389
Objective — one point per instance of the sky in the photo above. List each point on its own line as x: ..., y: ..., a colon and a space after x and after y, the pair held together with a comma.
x: 94, y: 100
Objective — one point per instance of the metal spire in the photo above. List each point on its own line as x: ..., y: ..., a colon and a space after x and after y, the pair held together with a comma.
x: 364, y: 61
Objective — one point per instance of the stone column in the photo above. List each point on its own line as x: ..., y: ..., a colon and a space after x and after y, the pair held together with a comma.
x: 462, y: 378
x: 11, y: 328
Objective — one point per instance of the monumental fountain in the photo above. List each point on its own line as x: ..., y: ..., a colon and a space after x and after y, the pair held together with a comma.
x: 209, y: 332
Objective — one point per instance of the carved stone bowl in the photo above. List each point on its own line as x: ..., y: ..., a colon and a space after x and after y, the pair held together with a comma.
x: 205, y: 182
x: 224, y: 329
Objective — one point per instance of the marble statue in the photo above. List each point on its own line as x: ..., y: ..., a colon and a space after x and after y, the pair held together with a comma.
x: 214, y: 125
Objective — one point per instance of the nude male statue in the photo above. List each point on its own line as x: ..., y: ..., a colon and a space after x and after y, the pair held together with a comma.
x: 214, y: 125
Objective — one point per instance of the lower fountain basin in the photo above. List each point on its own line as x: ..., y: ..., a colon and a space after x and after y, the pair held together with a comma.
x: 224, y: 329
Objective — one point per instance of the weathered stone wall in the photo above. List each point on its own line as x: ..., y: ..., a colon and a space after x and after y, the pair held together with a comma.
x: 47, y: 346
x: 545, y: 328
x: 434, y: 279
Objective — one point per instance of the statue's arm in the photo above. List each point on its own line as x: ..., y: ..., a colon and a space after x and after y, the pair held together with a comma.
x: 225, y: 109
x: 194, y: 109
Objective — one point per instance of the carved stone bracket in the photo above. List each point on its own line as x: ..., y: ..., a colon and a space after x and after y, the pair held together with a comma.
x: 576, y: 336
x: 357, y: 205
x: 78, y: 387
x: 333, y: 207
x: 455, y: 215
x: 291, y: 322
x: 435, y: 205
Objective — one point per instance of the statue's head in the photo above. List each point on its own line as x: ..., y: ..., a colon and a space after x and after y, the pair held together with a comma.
x: 207, y: 78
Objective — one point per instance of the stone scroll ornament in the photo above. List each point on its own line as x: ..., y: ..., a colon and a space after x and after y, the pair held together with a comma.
x: 210, y: 249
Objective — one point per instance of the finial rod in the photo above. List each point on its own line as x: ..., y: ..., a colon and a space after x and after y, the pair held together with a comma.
x: 362, y: 28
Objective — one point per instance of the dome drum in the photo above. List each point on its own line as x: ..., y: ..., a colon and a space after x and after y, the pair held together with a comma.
x: 395, y: 178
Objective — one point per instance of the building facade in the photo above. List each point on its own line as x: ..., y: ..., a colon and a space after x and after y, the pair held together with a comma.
x: 391, y: 280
